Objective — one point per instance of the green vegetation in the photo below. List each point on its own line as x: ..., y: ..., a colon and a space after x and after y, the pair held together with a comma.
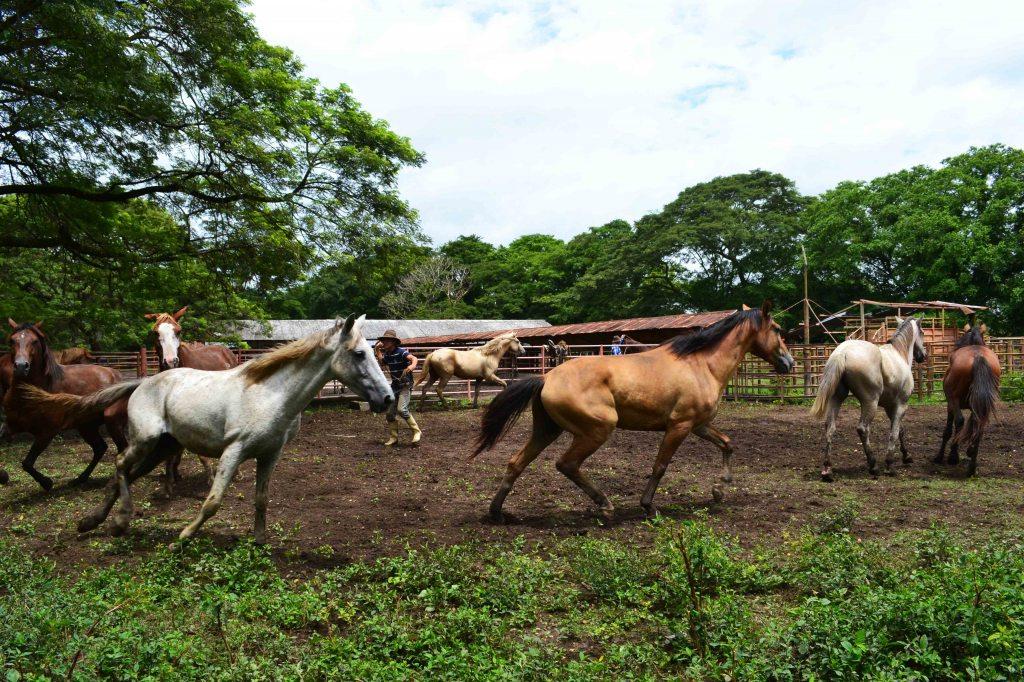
x: 821, y: 605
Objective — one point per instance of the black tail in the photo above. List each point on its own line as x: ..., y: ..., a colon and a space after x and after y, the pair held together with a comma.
x: 982, y: 401
x: 501, y: 414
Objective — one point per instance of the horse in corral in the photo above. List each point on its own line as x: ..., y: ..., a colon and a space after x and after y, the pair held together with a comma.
x: 877, y: 376
x: 559, y: 351
x: 34, y: 364
x: 74, y: 356
x: 249, y: 412
x: 674, y: 388
x: 172, y: 353
x: 480, y: 364
x: 971, y: 383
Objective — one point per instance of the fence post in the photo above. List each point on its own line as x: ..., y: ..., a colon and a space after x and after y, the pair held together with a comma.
x: 543, y: 361
x: 931, y: 373
x: 143, y: 370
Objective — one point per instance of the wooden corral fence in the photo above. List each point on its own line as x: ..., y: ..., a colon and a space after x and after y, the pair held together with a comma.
x: 754, y: 380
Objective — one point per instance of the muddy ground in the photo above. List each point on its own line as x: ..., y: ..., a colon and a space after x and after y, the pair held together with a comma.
x: 338, y: 496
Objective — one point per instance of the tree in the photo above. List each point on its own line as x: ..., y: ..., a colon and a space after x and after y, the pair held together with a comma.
x: 182, y: 103
x: 724, y: 242
x: 434, y: 289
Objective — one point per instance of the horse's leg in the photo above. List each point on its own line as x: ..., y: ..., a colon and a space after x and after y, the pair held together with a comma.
x: 539, y: 439
x: 954, y: 449
x: 208, y: 469
x: 441, y: 383
x: 264, y: 468
x: 868, y: 408
x: 950, y: 418
x: 972, y: 454
x: 831, y: 418
x: 29, y: 463
x: 171, y: 473
x: 426, y: 387
x: 720, y: 441
x: 91, y: 434
x: 674, y: 435
x: 571, y: 460
x: 476, y: 393
x: 229, y: 463
x: 895, y: 415
x: 133, y: 463
x: 907, y: 459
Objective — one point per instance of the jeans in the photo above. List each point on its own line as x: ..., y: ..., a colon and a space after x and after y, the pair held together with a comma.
x: 400, y: 407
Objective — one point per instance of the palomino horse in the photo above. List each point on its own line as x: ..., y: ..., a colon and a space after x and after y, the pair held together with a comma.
x: 34, y: 364
x: 480, y: 364
x: 249, y: 412
x: 673, y: 388
x: 171, y: 353
x: 971, y: 383
x: 876, y: 376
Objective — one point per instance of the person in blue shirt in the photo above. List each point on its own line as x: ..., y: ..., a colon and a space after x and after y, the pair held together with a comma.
x: 617, y: 344
x: 400, y: 364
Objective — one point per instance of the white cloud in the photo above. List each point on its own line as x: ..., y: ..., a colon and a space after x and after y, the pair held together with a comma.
x: 555, y: 116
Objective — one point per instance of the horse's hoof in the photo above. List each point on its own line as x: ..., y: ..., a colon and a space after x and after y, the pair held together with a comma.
x: 4, y: 478
x: 607, y: 516
x: 908, y: 460
x: 649, y: 511
x: 727, y: 478
x: 46, y: 484
x: 117, y: 529
x: 89, y: 523
x: 890, y: 472
x: 717, y: 494
x: 827, y: 477
x: 81, y: 480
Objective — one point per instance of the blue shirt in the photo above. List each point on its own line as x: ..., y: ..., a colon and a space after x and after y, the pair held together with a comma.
x: 396, y: 362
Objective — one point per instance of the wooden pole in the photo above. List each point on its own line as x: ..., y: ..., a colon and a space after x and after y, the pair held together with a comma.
x: 863, y: 324
x: 807, y: 302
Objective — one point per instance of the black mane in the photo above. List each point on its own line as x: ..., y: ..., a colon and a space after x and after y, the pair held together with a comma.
x: 685, y: 344
x: 972, y: 337
x: 53, y: 370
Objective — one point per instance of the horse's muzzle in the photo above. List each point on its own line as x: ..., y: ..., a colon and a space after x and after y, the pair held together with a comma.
x: 784, y: 364
x: 378, y: 405
x: 21, y: 369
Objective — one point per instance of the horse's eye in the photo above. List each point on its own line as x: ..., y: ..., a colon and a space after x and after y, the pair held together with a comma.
x: 359, y: 354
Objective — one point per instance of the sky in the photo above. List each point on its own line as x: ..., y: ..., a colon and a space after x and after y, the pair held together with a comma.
x: 552, y: 117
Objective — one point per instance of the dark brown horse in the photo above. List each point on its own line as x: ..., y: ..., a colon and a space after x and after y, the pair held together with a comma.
x: 674, y: 388
x: 971, y: 383
x: 34, y: 364
x: 171, y: 353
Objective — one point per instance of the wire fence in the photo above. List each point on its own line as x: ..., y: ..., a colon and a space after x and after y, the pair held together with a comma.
x: 755, y: 380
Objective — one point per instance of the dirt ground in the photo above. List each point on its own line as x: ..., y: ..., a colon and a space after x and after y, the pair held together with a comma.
x: 338, y: 496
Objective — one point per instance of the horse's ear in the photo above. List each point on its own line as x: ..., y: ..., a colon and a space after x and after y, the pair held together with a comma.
x: 151, y: 316
x: 14, y: 325
x: 744, y: 307
x: 766, y: 308
x: 177, y: 315
x: 967, y: 326
x: 984, y: 328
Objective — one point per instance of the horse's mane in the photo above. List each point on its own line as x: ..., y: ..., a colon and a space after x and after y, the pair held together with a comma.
x: 259, y: 369
x: 903, y: 336
x: 53, y: 370
x: 494, y: 343
x: 972, y: 337
x: 161, y: 318
x: 686, y: 344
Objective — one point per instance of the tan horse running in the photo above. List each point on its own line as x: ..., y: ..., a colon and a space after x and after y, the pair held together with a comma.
x: 171, y: 353
x: 674, y: 388
x: 480, y: 364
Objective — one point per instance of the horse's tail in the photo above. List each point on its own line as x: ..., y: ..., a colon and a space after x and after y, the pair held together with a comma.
x: 75, y: 409
x: 502, y: 413
x: 982, y: 401
x: 425, y: 374
x: 831, y: 378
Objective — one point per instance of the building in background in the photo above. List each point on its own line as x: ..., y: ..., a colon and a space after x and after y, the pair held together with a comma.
x: 274, y: 332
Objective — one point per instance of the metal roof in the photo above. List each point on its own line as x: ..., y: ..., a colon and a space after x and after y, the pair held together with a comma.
x: 679, y: 322
x: 926, y: 305
x: 288, y: 330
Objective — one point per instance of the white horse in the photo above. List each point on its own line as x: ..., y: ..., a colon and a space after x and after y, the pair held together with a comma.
x: 480, y: 364
x: 249, y: 412
x: 876, y: 375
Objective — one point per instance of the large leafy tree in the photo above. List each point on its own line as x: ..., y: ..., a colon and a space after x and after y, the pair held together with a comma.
x: 730, y: 240
x: 181, y: 102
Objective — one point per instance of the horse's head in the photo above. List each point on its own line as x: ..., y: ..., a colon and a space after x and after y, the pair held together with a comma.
x: 516, y: 346
x: 354, y: 364
x: 768, y: 343
x: 920, y: 353
x: 168, y: 337
x: 28, y: 347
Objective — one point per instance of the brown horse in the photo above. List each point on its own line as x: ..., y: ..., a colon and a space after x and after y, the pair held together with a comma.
x: 674, y: 388
x: 971, y: 383
x: 171, y: 353
x: 74, y: 356
x: 34, y: 364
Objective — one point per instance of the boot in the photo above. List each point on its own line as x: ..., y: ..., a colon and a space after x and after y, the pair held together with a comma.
x: 415, y: 428
x: 393, y: 438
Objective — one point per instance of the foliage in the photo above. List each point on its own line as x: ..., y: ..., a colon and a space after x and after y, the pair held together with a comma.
x: 818, y: 606
x: 433, y: 288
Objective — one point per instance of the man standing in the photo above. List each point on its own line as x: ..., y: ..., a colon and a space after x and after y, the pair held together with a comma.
x: 401, y: 364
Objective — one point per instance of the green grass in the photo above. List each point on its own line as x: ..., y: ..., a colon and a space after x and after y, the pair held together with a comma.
x: 821, y: 605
